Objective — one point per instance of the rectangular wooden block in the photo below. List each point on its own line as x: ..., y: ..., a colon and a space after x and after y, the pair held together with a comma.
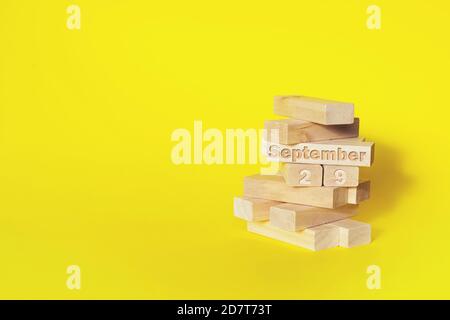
x: 355, y: 139
x: 353, y: 233
x: 292, y: 131
x: 316, y: 110
x: 359, y: 193
x: 340, y: 176
x: 303, y: 175
x: 330, y: 152
x: 274, y: 188
x: 253, y: 209
x: 295, y: 217
x: 317, y: 238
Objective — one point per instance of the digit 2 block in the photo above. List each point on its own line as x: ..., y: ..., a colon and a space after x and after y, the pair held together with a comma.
x: 340, y: 176
x: 303, y: 175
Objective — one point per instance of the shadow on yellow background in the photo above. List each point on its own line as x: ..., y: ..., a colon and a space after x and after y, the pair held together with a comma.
x: 390, y: 184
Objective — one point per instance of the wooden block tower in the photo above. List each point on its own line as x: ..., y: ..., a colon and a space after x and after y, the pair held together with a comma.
x: 310, y: 202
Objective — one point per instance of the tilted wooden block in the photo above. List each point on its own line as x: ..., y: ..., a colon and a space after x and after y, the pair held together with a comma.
x: 355, y: 139
x: 359, y: 193
x: 353, y: 233
x: 317, y: 238
x: 340, y: 176
x: 295, y: 217
x: 303, y: 175
x: 253, y: 209
x: 274, y: 188
x: 347, y: 152
x: 292, y: 131
x: 315, y: 110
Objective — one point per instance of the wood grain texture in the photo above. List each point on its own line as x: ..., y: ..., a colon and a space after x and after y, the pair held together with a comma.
x: 317, y: 238
x: 340, y: 176
x: 274, y: 188
x: 327, y: 112
x: 303, y: 175
x: 359, y: 193
x: 292, y: 131
x: 353, y: 233
x: 253, y: 209
x: 295, y: 217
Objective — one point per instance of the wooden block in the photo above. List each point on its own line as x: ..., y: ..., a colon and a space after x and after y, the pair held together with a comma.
x: 355, y: 139
x: 292, y: 131
x: 353, y: 233
x: 253, y: 209
x: 296, y: 217
x: 330, y: 152
x: 317, y: 238
x: 274, y: 188
x: 303, y: 175
x: 315, y: 110
x: 359, y: 193
x: 340, y: 176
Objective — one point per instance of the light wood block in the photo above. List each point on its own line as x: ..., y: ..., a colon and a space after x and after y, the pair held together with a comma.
x: 317, y: 238
x: 316, y: 110
x: 303, y: 175
x: 346, y: 152
x: 253, y: 209
x: 274, y: 188
x: 295, y: 217
x: 353, y: 233
x: 359, y: 193
x: 355, y: 139
x: 292, y: 131
x: 340, y: 176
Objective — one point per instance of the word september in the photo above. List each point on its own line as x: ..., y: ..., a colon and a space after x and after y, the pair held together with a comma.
x: 342, y: 153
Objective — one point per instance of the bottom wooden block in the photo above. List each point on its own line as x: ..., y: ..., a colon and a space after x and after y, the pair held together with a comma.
x: 253, y: 209
x: 353, y: 233
x: 344, y: 233
x: 295, y: 217
x: 317, y: 238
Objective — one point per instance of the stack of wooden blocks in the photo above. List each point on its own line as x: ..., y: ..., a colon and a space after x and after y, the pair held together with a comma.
x: 309, y: 202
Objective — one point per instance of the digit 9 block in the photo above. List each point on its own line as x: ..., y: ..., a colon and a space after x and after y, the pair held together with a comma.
x: 340, y: 176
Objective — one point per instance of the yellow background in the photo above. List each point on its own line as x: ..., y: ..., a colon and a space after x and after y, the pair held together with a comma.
x: 86, y: 117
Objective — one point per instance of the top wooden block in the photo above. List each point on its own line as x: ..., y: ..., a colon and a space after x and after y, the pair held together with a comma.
x: 314, y: 110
